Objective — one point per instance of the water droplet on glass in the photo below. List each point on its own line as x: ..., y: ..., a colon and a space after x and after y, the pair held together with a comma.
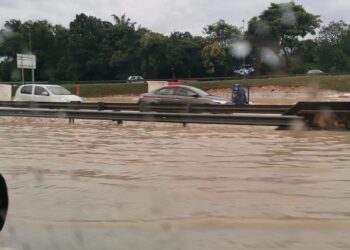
x: 241, y: 49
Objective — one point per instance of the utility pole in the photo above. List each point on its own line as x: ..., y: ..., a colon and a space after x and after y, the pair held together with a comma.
x: 30, y: 50
x: 243, y: 38
x: 22, y: 75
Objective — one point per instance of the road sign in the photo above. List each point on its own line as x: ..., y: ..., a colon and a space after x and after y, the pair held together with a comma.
x: 26, y: 61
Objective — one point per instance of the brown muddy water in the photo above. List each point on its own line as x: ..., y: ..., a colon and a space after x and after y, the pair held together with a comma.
x: 96, y: 185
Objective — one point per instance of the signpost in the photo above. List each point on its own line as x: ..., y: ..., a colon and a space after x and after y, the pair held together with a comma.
x: 26, y: 61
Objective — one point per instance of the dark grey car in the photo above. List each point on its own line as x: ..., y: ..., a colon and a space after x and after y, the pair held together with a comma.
x: 180, y: 94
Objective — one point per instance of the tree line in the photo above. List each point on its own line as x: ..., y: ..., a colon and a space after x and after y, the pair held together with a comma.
x: 283, y: 39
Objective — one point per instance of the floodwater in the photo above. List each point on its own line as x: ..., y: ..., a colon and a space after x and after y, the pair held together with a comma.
x: 97, y: 185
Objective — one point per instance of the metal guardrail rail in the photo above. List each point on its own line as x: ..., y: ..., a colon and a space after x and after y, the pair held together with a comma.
x: 242, y: 119
x: 65, y: 105
x: 327, y: 115
x: 318, y: 106
x: 218, y: 109
x: 323, y: 115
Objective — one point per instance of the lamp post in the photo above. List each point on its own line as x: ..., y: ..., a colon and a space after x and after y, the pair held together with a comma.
x: 30, y: 50
x: 243, y: 37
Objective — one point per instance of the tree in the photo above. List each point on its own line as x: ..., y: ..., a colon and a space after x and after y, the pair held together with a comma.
x: 223, y: 33
x: 213, y: 55
x: 153, y: 47
x: 217, y: 52
x: 123, y: 21
x: 183, y: 51
x: 88, y: 51
x: 60, y: 54
x: 305, y: 56
x: 125, y: 39
x: 334, y: 48
x: 41, y: 38
x: 11, y: 42
x: 281, y: 26
x: 42, y: 42
x: 334, y: 33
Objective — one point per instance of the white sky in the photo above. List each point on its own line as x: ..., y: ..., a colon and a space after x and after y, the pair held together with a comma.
x: 164, y: 16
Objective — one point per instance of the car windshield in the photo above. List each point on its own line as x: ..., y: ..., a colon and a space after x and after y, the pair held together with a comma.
x: 199, y: 91
x: 58, y: 90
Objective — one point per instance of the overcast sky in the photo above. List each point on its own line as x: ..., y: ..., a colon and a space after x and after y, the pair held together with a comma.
x: 164, y: 16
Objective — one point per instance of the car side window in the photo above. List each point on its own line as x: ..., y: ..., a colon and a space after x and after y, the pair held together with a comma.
x: 39, y: 90
x: 27, y: 90
x: 166, y: 91
x: 184, y: 92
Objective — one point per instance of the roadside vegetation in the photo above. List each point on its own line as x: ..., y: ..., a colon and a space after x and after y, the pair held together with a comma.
x: 338, y: 83
x: 275, y: 42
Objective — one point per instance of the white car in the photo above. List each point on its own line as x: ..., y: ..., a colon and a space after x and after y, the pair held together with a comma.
x: 244, y: 71
x: 44, y: 93
x: 315, y: 72
x: 136, y: 79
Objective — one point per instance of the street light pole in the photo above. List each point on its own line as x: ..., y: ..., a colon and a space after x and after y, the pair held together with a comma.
x: 243, y: 37
x: 30, y: 50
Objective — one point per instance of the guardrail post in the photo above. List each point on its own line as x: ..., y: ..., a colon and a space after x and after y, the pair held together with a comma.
x: 100, y: 106
x: 188, y: 108
x: 119, y: 122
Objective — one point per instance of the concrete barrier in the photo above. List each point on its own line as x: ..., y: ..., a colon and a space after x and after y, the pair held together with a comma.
x: 153, y: 85
x: 5, y: 92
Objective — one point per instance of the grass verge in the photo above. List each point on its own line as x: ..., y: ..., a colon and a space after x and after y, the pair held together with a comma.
x: 338, y: 83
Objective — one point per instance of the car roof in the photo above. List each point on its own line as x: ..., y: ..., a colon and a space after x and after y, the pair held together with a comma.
x: 170, y: 86
x: 41, y: 85
x: 180, y: 86
x: 315, y: 71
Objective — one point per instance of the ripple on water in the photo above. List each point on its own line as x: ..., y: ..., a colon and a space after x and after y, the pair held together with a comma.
x: 97, y: 171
